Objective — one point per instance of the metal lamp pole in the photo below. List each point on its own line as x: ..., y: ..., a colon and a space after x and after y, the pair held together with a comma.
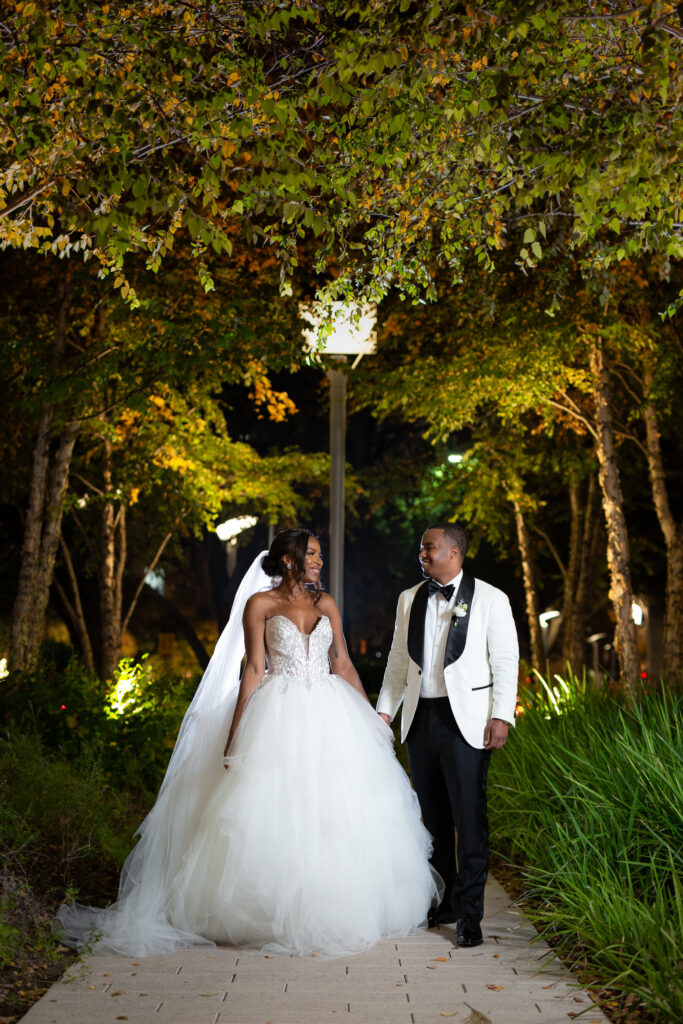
x: 351, y: 334
x: 338, y: 461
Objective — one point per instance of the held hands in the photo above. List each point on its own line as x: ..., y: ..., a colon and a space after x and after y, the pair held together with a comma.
x: 495, y: 734
x: 385, y: 718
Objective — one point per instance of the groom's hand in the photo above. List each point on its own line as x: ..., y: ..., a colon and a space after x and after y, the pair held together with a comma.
x: 495, y: 734
x: 385, y: 718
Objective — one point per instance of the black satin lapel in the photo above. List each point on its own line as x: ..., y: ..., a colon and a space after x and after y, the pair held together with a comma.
x: 416, y: 625
x: 457, y: 634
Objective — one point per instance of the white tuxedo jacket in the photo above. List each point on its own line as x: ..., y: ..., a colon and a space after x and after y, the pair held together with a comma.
x: 480, y: 666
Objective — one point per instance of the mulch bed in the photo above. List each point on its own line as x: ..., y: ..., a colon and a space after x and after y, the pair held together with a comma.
x: 23, y: 983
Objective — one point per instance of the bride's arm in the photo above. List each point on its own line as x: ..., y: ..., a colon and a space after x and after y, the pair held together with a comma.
x: 254, y: 621
x: 340, y: 662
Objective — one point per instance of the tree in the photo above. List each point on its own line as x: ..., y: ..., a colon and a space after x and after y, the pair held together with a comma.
x: 94, y: 372
x: 496, y: 349
x: 396, y: 136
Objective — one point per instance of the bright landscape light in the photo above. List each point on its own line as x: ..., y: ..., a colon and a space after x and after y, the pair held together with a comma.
x: 545, y: 617
x: 455, y: 458
x: 352, y: 330
x: 637, y: 613
x: 231, y: 528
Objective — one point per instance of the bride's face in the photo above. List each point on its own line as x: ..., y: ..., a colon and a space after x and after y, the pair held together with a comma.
x: 313, y: 562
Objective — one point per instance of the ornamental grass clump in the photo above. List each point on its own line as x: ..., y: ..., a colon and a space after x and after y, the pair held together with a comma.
x: 587, y: 804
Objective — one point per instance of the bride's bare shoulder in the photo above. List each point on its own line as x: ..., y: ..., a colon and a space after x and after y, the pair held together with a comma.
x: 326, y: 604
x: 261, y: 603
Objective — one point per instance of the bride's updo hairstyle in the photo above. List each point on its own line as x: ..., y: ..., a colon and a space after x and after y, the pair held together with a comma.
x: 289, y: 547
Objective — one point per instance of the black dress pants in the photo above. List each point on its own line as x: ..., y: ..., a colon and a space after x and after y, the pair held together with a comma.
x: 449, y: 777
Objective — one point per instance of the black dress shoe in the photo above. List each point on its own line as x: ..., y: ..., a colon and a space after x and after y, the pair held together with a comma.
x: 438, y: 916
x: 468, y: 932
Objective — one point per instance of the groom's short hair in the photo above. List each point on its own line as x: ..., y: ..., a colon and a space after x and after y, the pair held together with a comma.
x: 455, y: 534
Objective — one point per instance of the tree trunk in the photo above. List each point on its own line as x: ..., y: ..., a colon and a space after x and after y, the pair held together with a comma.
x: 673, y: 617
x: 23, y: 637
x: 74, y: 608
x: 43, y: 523
x: 110, y: 614
x: 571, y: 577
x: 43, y: 530
x: 530, y: 590
x: 621, y: 592
x: 576, y: 653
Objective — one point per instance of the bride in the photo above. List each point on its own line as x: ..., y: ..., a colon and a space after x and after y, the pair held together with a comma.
x: 305, y: 836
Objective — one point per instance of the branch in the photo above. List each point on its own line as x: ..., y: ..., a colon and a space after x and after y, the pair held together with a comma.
x: 575, y: 413
x: 87, y: 483
x: 25, y: 199
x: 75, y: 610
x: 151, y: 568
x: 553, y: 549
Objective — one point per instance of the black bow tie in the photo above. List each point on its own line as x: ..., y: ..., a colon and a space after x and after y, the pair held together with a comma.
x: 435, y: 588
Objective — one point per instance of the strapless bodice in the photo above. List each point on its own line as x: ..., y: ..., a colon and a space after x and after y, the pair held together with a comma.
x: 295, y: 654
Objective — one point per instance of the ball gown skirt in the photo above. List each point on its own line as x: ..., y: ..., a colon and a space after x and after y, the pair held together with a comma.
x: 311, y: 842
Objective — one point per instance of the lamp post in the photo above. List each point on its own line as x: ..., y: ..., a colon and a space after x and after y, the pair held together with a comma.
x: 228, y: 532
x: 340, y: 330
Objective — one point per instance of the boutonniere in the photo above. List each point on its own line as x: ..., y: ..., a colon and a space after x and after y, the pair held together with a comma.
x: 459, y: 612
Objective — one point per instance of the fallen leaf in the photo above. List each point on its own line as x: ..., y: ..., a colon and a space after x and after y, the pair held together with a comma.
x: 441, y: 959
x: 120, y: 992
x: 476, y: 1017
x: 449, y: 1014
x: 208, y: 993
x: 430, y: 968
x: 399, y: 984
x: 496, y: 988
x: 496, y: 955
x: 122, y: 1018
x: 550, y: 986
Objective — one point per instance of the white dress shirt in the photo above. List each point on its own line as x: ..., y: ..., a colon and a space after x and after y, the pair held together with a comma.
x: 437, y: 623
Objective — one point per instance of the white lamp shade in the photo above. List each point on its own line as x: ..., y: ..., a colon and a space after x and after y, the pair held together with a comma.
x: 352, y: 328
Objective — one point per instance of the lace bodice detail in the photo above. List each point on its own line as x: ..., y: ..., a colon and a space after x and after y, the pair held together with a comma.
x: 295, y: 654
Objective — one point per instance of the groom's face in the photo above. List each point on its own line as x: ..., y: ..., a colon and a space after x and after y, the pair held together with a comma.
x: 440, y: 560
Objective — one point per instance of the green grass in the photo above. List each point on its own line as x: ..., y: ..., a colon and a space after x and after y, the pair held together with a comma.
x: 586, y: 801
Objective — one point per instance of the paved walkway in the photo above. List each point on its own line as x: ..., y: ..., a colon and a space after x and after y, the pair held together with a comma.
x: 424, y: 979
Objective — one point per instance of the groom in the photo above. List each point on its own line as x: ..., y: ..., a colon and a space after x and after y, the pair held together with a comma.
x: 453, y: 663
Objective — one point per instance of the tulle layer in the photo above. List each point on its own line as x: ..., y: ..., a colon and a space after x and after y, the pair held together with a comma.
x: 313, y: 840
x: 310, y: 842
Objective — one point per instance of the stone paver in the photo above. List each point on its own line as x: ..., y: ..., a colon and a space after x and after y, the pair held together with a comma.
x: 423, y: 979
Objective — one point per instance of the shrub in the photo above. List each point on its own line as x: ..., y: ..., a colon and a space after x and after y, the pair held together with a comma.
x: 129, y: 728
x: 587, y: 801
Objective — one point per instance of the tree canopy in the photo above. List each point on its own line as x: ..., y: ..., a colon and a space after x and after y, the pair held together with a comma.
x: 393, y: 135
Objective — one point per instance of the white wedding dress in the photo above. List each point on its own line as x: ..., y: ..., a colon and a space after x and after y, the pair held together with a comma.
x: 311, y: 842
